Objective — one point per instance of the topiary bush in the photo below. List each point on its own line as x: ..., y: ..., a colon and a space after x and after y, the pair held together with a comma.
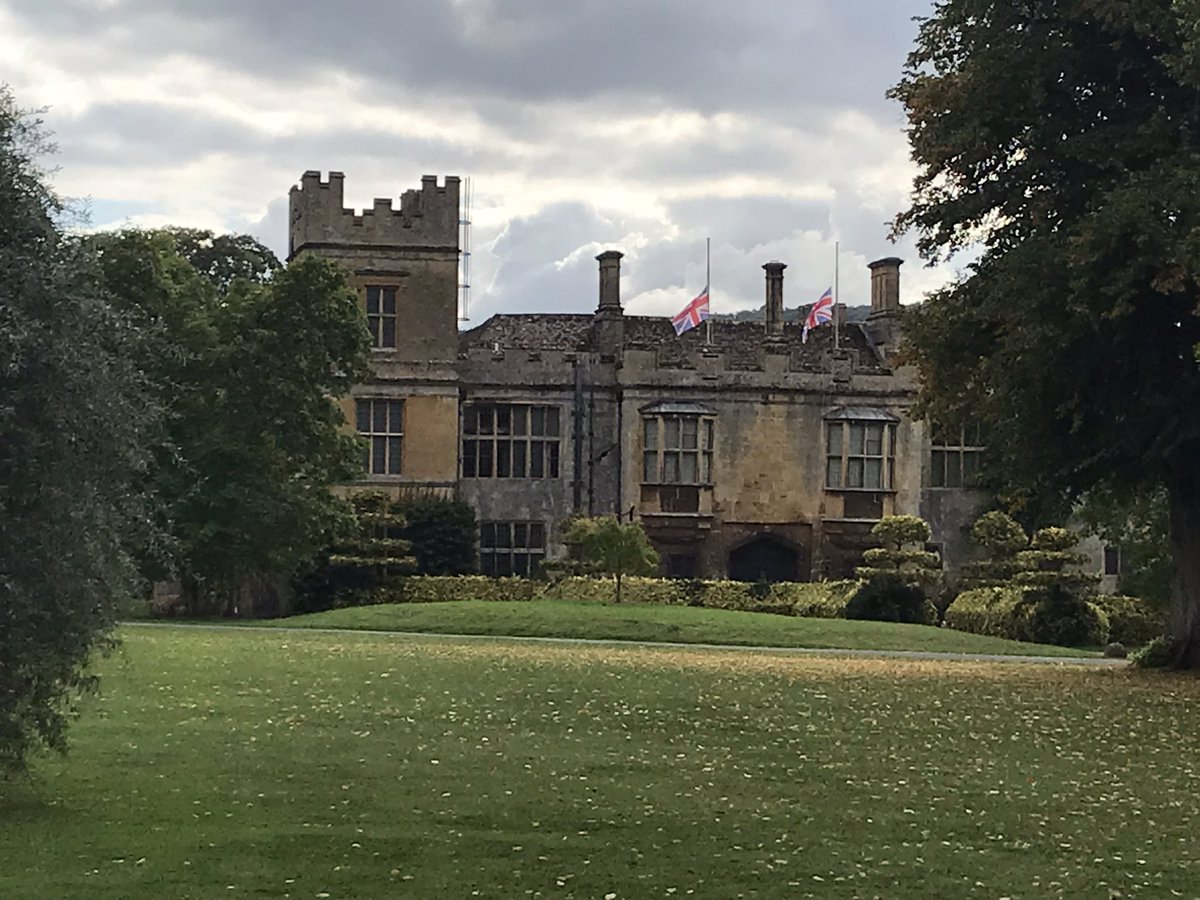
x: 888, y: 598
x: 984, y: 610
x: 1001, y: 538
x: 1057, y: 615
x: 1132, y: 621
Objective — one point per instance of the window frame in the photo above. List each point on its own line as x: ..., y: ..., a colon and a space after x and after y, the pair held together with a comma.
x: 953, y: 452
x: 665, y: 448
x: 381, y: 324
x: 511, y: 440
x: 501, y: 556
x: 389, y: 435
x: 849, y: 454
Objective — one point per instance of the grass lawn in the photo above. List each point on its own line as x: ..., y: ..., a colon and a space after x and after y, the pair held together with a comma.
x: 224, y: 763
x: 681, y: 624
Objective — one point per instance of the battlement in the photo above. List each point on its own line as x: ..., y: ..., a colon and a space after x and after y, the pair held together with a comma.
x: 428, y: 218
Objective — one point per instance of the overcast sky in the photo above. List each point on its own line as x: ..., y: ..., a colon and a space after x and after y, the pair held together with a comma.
x: 642, y: 125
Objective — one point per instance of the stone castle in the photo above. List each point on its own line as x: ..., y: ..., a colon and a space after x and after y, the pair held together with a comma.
x: 744, y: 452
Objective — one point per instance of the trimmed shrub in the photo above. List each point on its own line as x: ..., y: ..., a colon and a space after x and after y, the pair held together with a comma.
x: 1131, y: 621
x: 1044, y: 617
x: 819, y: 599
x: 1001, y: 538
x: 1158, y: 654
x: 984, y: 610
x: 1058, y: 616
x: 888, y: 598
x: 442, y: 533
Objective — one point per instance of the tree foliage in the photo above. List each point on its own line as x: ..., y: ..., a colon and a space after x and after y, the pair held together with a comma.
x: 1139, y: 526
x: 1061, y: 141
x: 609, y: 546
x: 247, y: 359
x: 442, y: 533
x: 74, y: 416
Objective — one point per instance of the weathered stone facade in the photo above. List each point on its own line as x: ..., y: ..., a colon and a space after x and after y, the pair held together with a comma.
x: 745, y: 451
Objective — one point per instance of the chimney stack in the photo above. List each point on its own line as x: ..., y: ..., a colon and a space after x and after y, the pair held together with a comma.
x: 609, y: 317
x: 610, y: 280
x: 885, y: 285
x: 774, y: 315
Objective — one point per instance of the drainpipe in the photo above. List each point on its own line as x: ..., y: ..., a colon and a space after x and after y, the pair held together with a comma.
x: 577, y: 416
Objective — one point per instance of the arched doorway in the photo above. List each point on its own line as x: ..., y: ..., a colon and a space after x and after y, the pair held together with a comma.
x: 764, y: 558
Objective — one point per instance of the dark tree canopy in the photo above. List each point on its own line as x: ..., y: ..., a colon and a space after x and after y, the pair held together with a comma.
x: 1062, y: 141
x: 75, y: 414
x: 247, y: 358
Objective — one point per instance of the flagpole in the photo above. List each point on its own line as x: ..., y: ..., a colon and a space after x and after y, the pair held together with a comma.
x: 708, y: 284
x: 837, y: 247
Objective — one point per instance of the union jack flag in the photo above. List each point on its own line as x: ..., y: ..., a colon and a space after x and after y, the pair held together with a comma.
x: 693, y: 314
x: 820, y: 314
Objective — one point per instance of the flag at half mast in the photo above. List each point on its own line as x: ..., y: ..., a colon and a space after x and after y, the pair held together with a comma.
x: 820, y: 314
x: 692, y: 314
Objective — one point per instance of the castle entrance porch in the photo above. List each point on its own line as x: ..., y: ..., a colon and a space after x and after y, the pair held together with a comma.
x: 764, y: 558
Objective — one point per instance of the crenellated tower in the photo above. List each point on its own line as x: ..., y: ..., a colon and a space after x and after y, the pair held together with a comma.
x: 404, y: 262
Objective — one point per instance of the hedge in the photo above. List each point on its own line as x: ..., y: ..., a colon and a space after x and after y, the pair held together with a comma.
x: 826, y: 599
x: 1132, y: 621
x: 1004, y: 612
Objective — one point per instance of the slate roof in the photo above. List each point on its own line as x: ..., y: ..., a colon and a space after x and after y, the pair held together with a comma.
x: 741, y: 342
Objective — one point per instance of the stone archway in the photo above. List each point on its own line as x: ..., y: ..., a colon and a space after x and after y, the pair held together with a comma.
x: 764, y: 558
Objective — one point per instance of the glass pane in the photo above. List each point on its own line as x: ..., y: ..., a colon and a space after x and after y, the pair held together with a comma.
x: 468, y: 459
x: 503, y: 459
x: 486, y: 419
x: 520, y: 534
x: 470, y: 420
x: 833, y: 472
x: 970, y: 461
x: 503, y: 420
x: 503, y: 534
x: 953, y: 468
x: 379, y: 416
x: 671, y: 468
x: 372, y: 300
x: 937, y: 468
x: 519, y: 469
x: 520, y: 419
x: 487, y: 564
x: 688, y: 468
x: 552, y: 463
x: 396, y: 416
x: 650, y: 466
x: 362, y: 416
x: 503, y: 564
x: 873, y: 473
x: 706, y: 468
x: 389, y: 301
x: 375, y: 331
x: 874, y: 437
x: 671, y: 435
x: 649, y: 434
x: 891, y: 430
x: 520, y: 564
x: 854, y: 473
x: 389, y: 332
x: 537, y: 535
x: 708, y: 435
x: 379, y: 455
x: 484, y: 460
x: 835, y: 439
x: 487, y: 534
x: 537, y: 420
x: 691, y: 431
x: 537, y: 459
x: 366, y: 460
x: 858, y: 436
x: 393, y: 456
x: 552, y: 421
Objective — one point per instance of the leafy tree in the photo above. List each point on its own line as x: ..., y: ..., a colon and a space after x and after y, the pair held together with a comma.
x: 611, y: 547
x: 74, y: 415
x: 1140, y: 527
x: 248, y: 361
x: 442, y: 533
x: 1060, y: 140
